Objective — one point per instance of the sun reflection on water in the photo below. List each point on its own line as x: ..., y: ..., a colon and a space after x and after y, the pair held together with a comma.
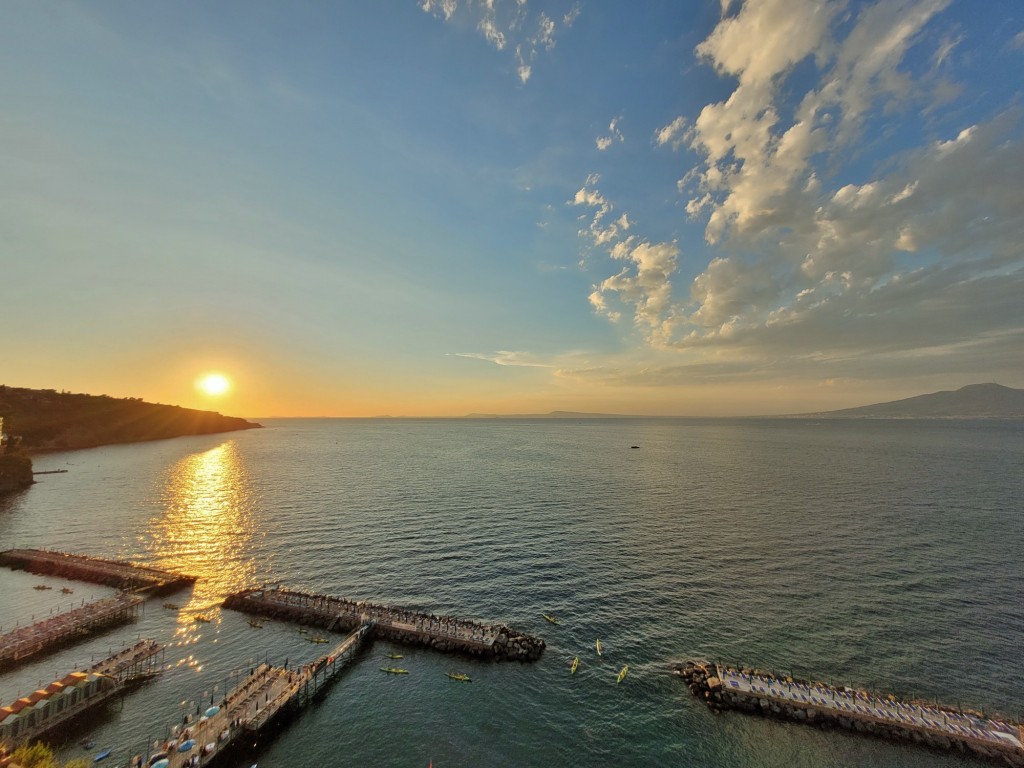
x: 206, y: 530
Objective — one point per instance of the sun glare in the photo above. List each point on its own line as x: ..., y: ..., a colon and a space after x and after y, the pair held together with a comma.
x: 213, y: 384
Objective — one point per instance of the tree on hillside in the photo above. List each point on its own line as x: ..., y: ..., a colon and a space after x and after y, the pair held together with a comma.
x: 39, y: 755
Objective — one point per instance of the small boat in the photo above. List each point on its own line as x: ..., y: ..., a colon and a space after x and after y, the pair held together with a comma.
x: 318, y: 640
x: 67, y: 591
x: 303, y: 631
x: 461, y: 677
x: 102, y: 755
x: 42, y: 586
x: 575, y: 664
x: 394, y: 671
x: 202, y: 618
x: 622, y: 674
x: 171, y: 606
x: 255, y: 624
x: 394, y: 656
x: 598, y: 646
x: 552, y: 619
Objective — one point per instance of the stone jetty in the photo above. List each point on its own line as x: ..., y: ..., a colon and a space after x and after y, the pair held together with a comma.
x: 447, y: 634
x: 755, y: 691
x: 111, y: 573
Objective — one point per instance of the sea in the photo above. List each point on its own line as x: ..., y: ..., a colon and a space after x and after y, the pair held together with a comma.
x: 885, y: 554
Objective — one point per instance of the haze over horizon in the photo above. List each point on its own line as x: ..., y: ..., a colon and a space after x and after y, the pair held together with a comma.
x: 440, y: 207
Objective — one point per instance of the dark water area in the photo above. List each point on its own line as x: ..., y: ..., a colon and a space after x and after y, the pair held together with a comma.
x: 885, y: 554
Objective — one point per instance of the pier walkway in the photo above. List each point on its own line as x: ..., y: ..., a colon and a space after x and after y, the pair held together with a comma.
x: 54, y: 631
x: 758, y: 692
x: 111, y: 573
x: 48, y: 708
x: 394, y: 623
x: 259, y: 698
x: 882, y: 709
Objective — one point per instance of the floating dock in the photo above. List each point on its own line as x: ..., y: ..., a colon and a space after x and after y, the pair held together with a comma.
x: 62, y: 628
x: 48, y: 708
x: 111, y: 573
x: 758, y: 692
x: 400, y: 625
x: 265, y: 694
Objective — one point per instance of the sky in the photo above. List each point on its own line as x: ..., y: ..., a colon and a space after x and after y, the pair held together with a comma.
x: 444, y: 207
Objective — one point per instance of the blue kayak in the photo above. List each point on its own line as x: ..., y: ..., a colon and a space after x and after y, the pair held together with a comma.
x: 102, y: 755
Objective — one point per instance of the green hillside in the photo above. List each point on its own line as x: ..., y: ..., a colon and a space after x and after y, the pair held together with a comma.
x: 50, y: 420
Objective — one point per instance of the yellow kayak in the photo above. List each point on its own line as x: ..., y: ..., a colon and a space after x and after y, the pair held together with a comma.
x: 622, y: 674
x: 575, y: 664
x: 460, y: 676
x: 598, y: 646
x: 552, y: 619
x: 394, y: 671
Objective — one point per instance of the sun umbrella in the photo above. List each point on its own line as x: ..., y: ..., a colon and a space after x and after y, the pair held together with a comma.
x: 212, y: 711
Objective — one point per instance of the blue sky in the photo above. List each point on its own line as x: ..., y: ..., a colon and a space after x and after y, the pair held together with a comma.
x: 443, y: 207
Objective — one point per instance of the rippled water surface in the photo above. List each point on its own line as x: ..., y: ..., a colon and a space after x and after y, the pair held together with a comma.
x: 879, y: 553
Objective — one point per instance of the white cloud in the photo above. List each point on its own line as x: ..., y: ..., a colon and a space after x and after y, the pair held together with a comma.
x: 506, y: 24
x: 614, y: 134
x: 504, y: 358
x: 674, y: 133
x: 811, y: 263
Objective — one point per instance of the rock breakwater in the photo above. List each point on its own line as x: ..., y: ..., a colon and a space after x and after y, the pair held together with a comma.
x: 754, y: 691
x: 448, y: 634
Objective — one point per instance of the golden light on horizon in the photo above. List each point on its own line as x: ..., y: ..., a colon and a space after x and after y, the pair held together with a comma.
x: 213, y: 384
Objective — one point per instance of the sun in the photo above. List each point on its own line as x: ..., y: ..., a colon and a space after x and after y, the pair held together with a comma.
x: 213, y: 384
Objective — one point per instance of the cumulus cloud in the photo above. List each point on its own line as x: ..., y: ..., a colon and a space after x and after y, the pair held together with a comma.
x: 614, y: 135
x: 921, y: 259
x: 506, y: 24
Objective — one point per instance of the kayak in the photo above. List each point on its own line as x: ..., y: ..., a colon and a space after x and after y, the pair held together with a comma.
x: 461, y: 677
x: 622, y: 674
x: 318, y: 639
x: 598, y: 646
x: 394, y: 656
x: 575, y: 664
x: 255, y: 624
x: 552, y: 619
x: 394, y: 670
x: 102, y: 755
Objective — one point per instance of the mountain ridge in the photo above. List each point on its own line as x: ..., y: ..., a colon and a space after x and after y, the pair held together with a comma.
x: 973, y: 401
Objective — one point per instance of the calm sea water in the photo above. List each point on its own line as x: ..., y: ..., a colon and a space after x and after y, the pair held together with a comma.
x: 879, y: 553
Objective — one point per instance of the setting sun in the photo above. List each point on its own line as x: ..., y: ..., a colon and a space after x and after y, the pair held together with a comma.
x: 213, y: 384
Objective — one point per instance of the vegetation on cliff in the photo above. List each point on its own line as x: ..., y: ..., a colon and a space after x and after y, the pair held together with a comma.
x: 15, y: 472
x: 50, y: 420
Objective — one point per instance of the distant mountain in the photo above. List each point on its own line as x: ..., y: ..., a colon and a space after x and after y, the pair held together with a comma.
x: 49, y: 420
x: 975, y: 401
x: 550, y: 415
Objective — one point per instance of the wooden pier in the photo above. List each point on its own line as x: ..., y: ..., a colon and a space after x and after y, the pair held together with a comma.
x: 111, y: 573
x: 62, y: 628
x: 63, y: 700
x: 947, y: 728
x: 262, y: 696
x: 400, y: 625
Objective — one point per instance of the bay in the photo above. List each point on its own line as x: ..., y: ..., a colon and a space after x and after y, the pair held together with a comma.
x: 877, y: 553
